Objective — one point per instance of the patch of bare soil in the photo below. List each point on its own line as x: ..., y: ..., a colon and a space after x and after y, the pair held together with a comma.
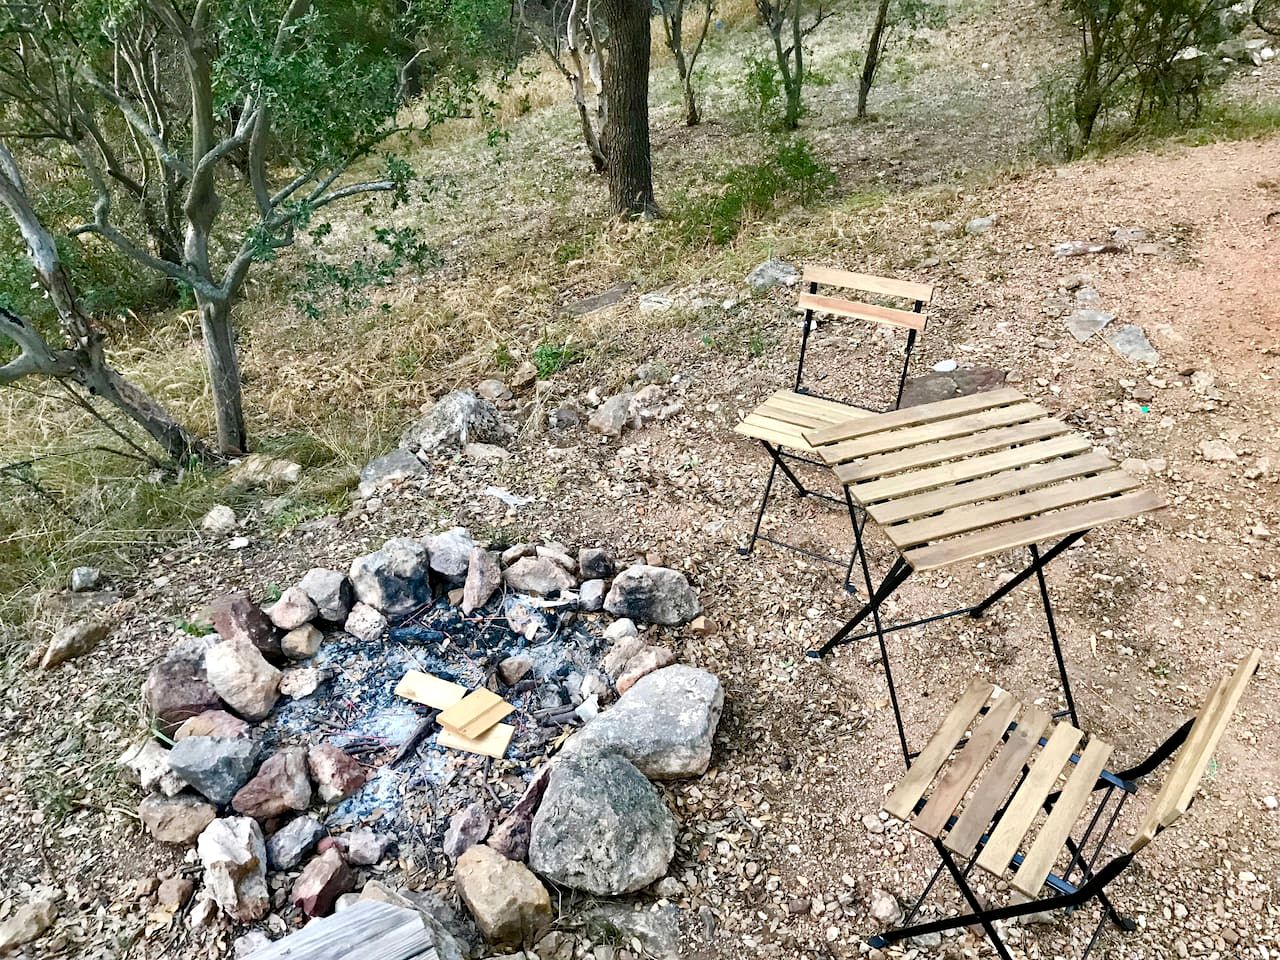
x: 773, y: 852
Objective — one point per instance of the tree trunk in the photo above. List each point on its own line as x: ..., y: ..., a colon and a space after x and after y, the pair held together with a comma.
x: 872, y: 61
x: 691, y: 115
x: 224, y: 374
x: 626, y: 97
x: 179, y: 446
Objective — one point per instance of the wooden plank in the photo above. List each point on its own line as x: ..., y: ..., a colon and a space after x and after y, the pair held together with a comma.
x: 885, y: 286
x: 964, y: 769
x: 492, y: 743
x: 1050, y: 526
x: 1057, y: 826
x: 972, y: 491
x: 964, y: 519
x: 912, y: 787
x: 369, y: 929
x: 887, y: 464
x: 909, y: 437
x: 800, y: 421
x: 914, y: 416
x: 1000, y: 777
x: 475, y: 713
x: 904, y: 484
x: 1021, y: 812
x: 769, y: 436
x: 1184, y: 776
x: 430, y: 690
x: 862, y: 311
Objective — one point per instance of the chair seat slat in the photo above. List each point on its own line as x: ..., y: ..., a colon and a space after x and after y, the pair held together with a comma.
x: 913, y: 786
x: 1057, y: 826
x: 975, y: 818
x: 1018, y: 817
x: 964, y: 769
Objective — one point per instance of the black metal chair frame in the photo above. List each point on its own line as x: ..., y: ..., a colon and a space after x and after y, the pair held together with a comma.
x: 899, y: 572
x: 778, y: 455
x: 1067, y: 894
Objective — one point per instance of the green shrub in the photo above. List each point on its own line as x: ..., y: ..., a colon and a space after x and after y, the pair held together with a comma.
x: 749, y: 192
x: 550, y: 358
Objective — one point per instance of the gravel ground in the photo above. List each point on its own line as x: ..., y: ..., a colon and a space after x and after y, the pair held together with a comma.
x: 774, y: 855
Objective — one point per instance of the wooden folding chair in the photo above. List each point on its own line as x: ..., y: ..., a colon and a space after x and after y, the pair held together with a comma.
x: 994, y: 764
x: 780, y: 421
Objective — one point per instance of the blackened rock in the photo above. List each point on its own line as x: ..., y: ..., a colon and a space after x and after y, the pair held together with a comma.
x: 393, y: 580
x: 653, y: 595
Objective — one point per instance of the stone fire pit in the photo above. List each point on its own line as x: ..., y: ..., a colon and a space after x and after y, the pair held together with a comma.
x: 281, y: 751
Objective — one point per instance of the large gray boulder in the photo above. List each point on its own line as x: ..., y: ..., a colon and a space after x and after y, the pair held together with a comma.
x: 601, y: 827
x: 394, y: 580
x: 539, y: 576
x: 215, y: 766
x: 653, y: 595
x: 330, y: 591
x: 664, y: 724
x: 241, y: 676
x: 458, y: 418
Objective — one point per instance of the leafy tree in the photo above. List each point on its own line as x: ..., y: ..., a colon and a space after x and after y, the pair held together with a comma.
x: 217, y: 131
x: 789, y: 24
x: 686, y: 57
x: 1140, y: 59
x: 892, y: 16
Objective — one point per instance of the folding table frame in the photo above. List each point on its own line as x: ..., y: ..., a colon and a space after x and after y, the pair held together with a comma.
x: 963, y: 479
x: 778, y: 423
x: 997, y: 764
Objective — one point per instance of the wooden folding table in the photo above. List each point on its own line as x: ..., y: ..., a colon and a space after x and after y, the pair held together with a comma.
x: 963, y: 479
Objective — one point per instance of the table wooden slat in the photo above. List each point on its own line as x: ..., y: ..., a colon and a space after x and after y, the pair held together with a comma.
x: 907, y: 437
x: 973, y: 491
x: 964, y: 519
x: 886, y: 488
x: 912, y: 416
x: 1050, y: 526
x: 928, y: 454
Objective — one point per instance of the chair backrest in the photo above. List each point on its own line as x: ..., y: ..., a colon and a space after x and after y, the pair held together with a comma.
x: 918, y: 294
x: 812, y: 301
x: 1179, y: 787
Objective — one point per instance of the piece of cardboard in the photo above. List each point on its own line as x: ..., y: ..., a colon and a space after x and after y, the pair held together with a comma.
x: 492, y: 743
x: 475, y: 713
x: 430, y: 690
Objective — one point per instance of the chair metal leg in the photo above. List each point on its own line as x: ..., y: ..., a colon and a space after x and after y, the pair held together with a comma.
x: 764, y: 502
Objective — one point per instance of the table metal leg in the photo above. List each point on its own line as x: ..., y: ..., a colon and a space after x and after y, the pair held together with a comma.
x: 1053, y: 636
